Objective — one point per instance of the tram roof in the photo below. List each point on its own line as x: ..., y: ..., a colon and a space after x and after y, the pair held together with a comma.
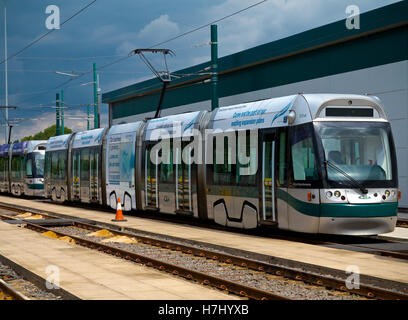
x: 58, y: 142
x: 173, y: 126
x: 308, y: 107
x: 32, y: 145
x: 88, y: 138
x: 4, y: 149
x: 125, y: 127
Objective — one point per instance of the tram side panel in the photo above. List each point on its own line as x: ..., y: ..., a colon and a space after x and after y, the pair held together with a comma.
x: 169, y: 170
x: 305, y: 181
x: 34, y: 178
x: 56, y: 184
x: 232, y: 198
x: 241, y: 183
x: 120, y: 165
x: 86, y: 163
x: 18, y: 168
x: 4, y: 168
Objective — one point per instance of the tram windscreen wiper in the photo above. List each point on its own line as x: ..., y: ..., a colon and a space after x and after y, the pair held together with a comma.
x: 358, y: 184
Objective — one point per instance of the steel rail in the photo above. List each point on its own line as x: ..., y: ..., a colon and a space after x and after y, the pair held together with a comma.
x: 223, y: 284
x: 11, y: 292
x: 403, y: 223
x: 207, y: 224
x: 308, y: 277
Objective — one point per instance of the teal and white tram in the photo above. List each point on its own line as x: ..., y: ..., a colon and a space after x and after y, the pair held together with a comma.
x: 326, y: 164
x: 22, y: 168
x: 73, y: 167
x: 122, y: 166
x: 315, y: 163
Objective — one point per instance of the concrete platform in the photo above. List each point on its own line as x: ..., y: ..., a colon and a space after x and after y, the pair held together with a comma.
x: 399, y: 233
x: 368, y: 264
x: 403, y: 215
x: 90, y: 275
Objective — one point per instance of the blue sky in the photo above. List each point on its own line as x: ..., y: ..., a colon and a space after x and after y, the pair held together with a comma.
x: 109, y: 30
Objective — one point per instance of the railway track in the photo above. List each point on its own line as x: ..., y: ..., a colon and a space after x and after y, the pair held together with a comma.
x: 304, y: 276
x: 7, y: 292
x: 403, y: 223
x: 352, y: 243
x: 206, y: 279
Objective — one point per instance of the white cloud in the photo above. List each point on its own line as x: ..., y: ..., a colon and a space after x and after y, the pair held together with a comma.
x: 47, y: 119
x: 159, y: 29
x: 155, y: 31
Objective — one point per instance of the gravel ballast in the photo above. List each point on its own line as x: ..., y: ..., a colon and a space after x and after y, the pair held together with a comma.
x: 260, y: 280
x: 27, y: 288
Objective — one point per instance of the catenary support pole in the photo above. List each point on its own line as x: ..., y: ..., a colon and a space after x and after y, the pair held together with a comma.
x: 6, y: 72
x: 57, y: 104
x: 95, y: 96
x: 62, y: 111
x: 87, y: 117
x: 97, y: 99
x: 214, y: 67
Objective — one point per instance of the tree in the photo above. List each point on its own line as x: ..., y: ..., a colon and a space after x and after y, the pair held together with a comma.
x: 46, y: 134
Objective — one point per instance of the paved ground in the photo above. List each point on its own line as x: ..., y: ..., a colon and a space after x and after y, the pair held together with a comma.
x: 89, y: 274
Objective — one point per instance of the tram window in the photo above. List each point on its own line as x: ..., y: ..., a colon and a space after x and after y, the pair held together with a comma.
x: 29, y: 167
x: 19, y: 161
x: 38, y: 162
x: 47, y: 165
x: 2, y: 168
x: 223, y: 172
x: 363, y: 152
x: 246, y: 173
x: 94, y: 162
x: 84, y: 164
x: 282, y: 159
x: 61, y: 164
x: 166, y: 166
x: 54, y: 165
x: 16, y: 167
x: 13, y: 167
x: 303, y: 157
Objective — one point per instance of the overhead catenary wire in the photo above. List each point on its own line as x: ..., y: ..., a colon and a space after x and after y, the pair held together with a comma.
x: 166, y: 41
x: 69, y: 58
x: 208, y: 24
x: 46, y: 34
x: 66, y: 83
x: 42, y: 37
x: 73, y: 71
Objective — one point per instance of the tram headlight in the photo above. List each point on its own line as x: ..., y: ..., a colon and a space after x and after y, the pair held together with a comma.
x: 291, y: 116
x: 329, y: 194
x: 337, y: 193
x: 387, y: 193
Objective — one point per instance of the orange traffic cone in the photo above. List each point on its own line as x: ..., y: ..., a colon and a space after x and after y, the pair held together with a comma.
x: 119, y: 215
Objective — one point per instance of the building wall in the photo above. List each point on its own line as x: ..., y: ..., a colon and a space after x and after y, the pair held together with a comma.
x: 375, y: 49
x: 389, y: 82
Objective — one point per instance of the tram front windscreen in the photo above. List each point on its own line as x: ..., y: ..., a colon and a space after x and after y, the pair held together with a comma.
x: 362, y: 150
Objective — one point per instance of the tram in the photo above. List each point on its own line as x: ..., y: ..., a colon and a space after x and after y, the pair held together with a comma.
x: 22, y: 168
x: 315, y: 163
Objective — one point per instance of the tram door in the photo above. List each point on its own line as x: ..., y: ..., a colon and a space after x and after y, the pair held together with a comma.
x: 94, y: 171
x: 183, y: 176
x: 76, y: 160
x: 85, y: 175
x: 151, y: 183
x: 268, y: 178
